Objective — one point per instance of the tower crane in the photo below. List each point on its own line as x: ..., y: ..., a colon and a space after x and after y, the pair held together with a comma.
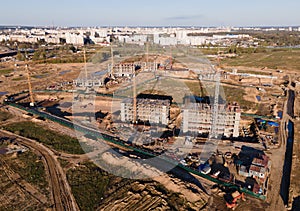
x: 85, y: 66
x: 215, y: 112
x: 112, y: 60
x: 32, y: 103
x: 134, y: 101
x: 147, y: 54
x: 214, y: 133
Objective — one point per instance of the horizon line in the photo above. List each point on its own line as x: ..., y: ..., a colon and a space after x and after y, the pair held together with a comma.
x: 147, y: 26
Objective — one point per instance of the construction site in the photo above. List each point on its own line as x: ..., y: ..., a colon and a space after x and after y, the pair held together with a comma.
x: 197, y: 117
x: 165, y: 104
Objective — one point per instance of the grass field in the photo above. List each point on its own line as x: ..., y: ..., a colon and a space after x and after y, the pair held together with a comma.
x: 88, y: 183
x: 93, y: 187
x: 31, y: 168
x: 253, y: 72
x: 19, y: 78
x: 284, y: 59
x: 6, y: 71
x: 4, y: 116
x: 234, y: 94
x: 63, y: 163
x: 195, y: 88
x: 50, y: 138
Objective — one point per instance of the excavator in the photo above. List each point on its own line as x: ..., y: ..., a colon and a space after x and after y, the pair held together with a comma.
x: 232, y: 204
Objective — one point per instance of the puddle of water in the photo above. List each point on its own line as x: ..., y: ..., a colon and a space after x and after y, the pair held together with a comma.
x: 99, y: 73
x: 3, y: 93
x: 41, y: 76
x: 64, y: 72
x: 66, y: 105
x: 3, y: 151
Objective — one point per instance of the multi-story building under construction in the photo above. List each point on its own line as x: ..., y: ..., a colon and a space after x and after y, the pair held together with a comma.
x: 91, y: 82
x: 197, y: 117
x: 154, y: 109
x: 129, y: 69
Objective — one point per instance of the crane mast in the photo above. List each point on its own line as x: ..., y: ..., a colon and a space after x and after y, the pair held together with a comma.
x: 32, y: 103
x: 85, y: 67
x: 217, y: 119
x: 112, y: 60
x: 134, y: 101
x: 215, y: 112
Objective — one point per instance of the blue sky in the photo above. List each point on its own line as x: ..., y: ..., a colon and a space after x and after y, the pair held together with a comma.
x: 150, y: 12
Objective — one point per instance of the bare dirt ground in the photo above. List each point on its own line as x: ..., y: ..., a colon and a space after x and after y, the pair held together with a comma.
x: 295, y: 182
x: 251, y: 94
x: 50, y: 75
x: 42, y: 75
x: 191, y: 192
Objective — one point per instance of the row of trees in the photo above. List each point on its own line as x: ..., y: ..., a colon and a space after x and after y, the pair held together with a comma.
x: 37, y: 55
x: 41, y: 54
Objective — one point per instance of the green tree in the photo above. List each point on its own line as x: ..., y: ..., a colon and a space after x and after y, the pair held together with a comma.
x: 36, y: 55
x: 20, y: 56
x: 43, y: 56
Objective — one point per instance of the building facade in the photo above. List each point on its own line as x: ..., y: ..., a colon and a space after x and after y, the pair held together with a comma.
x: 92, y: 82
x: 129, y: 69
x: 122, y: 69
x: 152, y: 109
x: 197, y: 117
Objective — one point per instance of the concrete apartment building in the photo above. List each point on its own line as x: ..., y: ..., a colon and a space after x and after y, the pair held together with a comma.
x: 92, y: 82
x: 139, y: 39
x: 95, y: 79
x: 197, y: 117
x: 73, y: 38
x: 122, y: 69
x: 154, y: 109
x: 102, y: 36
x: 128, y: 69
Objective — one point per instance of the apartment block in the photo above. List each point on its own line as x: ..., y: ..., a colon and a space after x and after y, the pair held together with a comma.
x: 154, y: 109
x: 122, y: 69
x: 198, y: 117
x: 129, y: 69
x: 88, y: 82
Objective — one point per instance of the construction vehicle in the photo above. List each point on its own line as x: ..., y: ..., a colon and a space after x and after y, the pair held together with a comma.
x: 232, y: 204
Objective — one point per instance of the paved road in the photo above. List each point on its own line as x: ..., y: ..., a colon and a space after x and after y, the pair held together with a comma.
x: 61, y: 191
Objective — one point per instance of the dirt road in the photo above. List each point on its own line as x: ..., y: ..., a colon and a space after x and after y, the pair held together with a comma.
x: 278, y: 155
x: 61, y: 191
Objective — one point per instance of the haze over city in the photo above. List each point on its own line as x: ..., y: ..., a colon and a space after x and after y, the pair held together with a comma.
x: 152, y: 13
